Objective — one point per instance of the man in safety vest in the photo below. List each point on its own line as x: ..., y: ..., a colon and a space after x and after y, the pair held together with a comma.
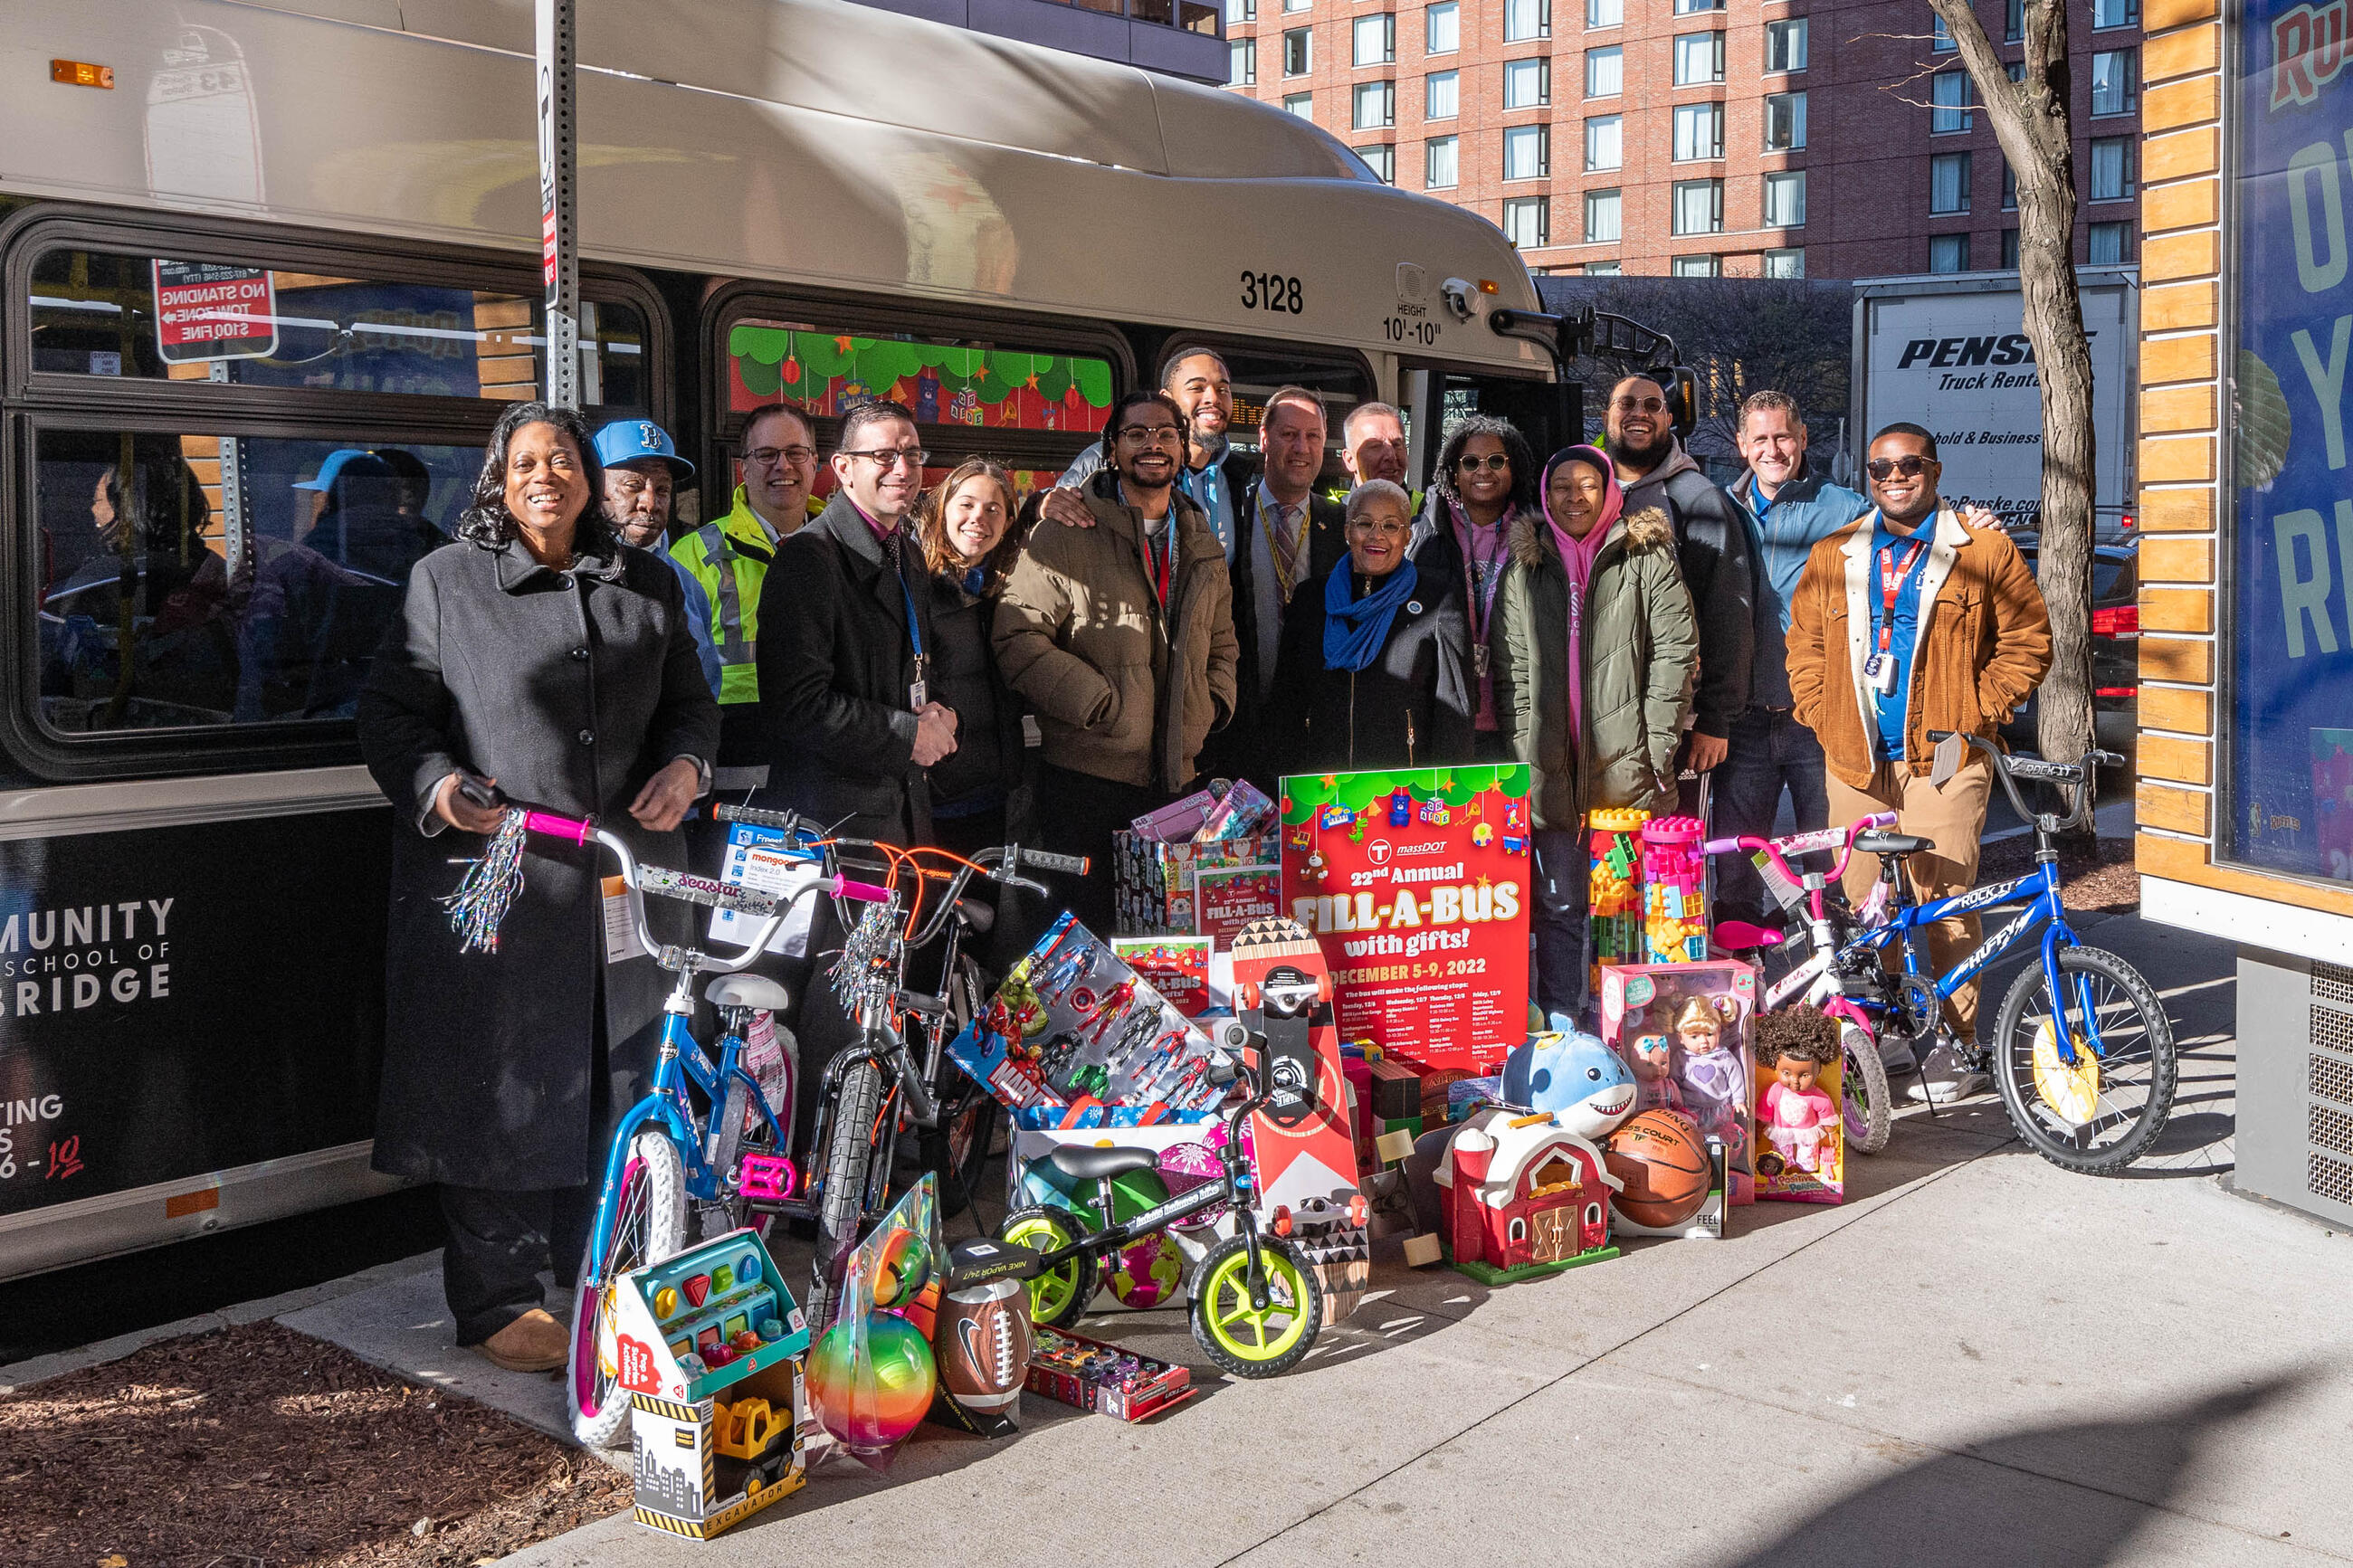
x: 727, y: 559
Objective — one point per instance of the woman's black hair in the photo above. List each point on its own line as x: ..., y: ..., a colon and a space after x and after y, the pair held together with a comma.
x: 1516, y: 447
x: 167, y: 514
x: 487, y: 522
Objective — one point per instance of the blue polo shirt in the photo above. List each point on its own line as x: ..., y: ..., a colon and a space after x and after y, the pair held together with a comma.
x: 1904, y: 629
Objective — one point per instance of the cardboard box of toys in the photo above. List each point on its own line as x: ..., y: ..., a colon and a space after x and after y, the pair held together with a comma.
x: 1227, y: 831
x: 1801, y: 1152
x: 1683, y: 1031
x: 1105, y: 1378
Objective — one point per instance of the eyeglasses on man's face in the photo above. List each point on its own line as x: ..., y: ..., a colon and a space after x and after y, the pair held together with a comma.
x: 889, y: 458
x: 1493, y: 462
x: 1151, y: 434
x: 775, y: 457
x: 1638, y: 406
x: 1910, y: 466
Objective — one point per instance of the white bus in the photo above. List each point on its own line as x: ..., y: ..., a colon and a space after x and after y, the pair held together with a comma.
x: 239, y: 238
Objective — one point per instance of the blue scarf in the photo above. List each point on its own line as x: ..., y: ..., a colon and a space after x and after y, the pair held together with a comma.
x: 1355, y: 630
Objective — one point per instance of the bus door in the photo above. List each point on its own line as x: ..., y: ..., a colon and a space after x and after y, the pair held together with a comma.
x: 1551, y: 414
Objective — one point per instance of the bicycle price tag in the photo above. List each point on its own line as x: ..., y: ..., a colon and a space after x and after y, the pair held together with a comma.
x: 620, y: 931
x: 762, y: 860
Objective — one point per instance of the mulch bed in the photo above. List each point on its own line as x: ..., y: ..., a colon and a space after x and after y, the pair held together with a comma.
x: 259, y: 1447
x: 2108, y: 883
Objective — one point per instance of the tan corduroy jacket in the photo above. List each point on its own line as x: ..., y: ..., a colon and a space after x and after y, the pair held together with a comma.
x: 1984, y: 643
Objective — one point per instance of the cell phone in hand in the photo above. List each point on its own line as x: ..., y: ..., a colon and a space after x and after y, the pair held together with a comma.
x: 482, y: 792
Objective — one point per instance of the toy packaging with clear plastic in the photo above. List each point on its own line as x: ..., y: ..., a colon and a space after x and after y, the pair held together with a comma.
x: 1684, y: 1030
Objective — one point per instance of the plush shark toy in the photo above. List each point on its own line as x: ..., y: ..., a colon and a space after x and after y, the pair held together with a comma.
x: 1574, y: 1075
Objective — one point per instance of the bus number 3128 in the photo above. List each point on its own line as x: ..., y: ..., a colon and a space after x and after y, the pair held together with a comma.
x: 1401, y: 330
x: 1271, y: 291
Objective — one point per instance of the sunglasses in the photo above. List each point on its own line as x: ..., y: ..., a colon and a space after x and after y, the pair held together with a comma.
x: 1910, y: 467
x: 1493, y: 462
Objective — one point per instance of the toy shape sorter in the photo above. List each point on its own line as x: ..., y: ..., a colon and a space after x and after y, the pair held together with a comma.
x: 715, y: 1320
x: 1801, y: 1152
x: 1523, y: 1197
x: 1701, y: 1015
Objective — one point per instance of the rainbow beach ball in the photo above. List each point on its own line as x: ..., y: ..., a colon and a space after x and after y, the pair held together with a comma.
x: 870, y: 1401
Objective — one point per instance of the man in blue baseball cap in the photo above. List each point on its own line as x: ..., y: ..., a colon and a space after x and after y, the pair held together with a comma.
x: 642, y: 471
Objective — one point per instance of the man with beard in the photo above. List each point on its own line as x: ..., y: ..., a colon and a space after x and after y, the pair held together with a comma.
x: 1215, y: 477
x: 1711, y: 545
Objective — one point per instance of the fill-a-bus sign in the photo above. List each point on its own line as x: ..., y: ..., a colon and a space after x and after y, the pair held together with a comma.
x: 208, y: 310
x: 1416, y: 885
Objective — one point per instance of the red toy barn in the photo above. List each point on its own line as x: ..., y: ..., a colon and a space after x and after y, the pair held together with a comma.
x: 1525, y: 1196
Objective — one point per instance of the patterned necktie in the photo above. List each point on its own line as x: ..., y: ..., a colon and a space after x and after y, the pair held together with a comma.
x: 1286, y: 543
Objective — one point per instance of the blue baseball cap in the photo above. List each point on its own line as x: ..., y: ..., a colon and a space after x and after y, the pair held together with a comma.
x: 635, y: 440
x: 347, y: 463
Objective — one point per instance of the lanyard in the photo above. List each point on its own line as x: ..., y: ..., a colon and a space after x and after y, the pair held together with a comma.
x: 919, y: 690
x: 1891, y: 578
x: 1476, y: 566
x: 1163, y: 556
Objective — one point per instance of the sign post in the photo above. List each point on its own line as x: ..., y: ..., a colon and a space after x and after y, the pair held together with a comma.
x: 559, y: 254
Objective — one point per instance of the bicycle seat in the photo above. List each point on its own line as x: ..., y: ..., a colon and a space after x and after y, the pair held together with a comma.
x: 1096, y: 1165
x: 1874, y: 841
x: 747, y: 991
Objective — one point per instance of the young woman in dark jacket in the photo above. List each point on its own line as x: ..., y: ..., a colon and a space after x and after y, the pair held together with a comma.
x: 1372, y: 672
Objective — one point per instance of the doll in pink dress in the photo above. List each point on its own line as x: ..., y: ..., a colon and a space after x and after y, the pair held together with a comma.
x: 1795, y: 1115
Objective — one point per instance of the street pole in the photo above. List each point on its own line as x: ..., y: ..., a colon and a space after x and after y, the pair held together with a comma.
x: 559, y: 234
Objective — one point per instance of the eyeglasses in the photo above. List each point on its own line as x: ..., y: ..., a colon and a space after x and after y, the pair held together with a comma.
x: 1910, y: 466
x: 1388, y: 529
x: 1638, y: 406
x: 1493, y: 462
x: 771, y: 456
x: 1156, y: 435
x: 889, y: 458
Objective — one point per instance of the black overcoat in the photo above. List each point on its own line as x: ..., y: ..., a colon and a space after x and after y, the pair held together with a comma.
x: 571, y: 688
x: 1411, y: 707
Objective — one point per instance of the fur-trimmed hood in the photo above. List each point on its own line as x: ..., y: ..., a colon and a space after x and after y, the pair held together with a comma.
x: 1645, y: 530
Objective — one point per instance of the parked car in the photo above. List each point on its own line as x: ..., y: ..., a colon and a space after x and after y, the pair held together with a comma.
x: 2116, y: 641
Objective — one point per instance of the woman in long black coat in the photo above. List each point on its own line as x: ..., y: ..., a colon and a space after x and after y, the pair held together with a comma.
x: 1372, y: 671
x: 538, y: 651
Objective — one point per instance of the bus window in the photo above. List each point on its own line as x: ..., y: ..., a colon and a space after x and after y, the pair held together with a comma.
x: 105, y: 313
x: 217, y: 579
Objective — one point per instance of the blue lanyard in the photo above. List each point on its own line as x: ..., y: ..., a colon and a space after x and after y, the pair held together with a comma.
x: 913, y: 635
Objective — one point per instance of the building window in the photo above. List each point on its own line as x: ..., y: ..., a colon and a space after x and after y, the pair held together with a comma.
x: 1527, y: 153
x: 1949, y: 253
x: 1527, y: 84
x: 1601, y: 210
x: 1381, y: 161
x: 2016, y: 70
x: 1785, y: 45
x: 1699, y: 59
x: 1604, y: 142
x: 1440, y: 164
x: 1785, y: 200
x: 1302, y: 104
x: 1699, y: 131
x: 1948, y: 183
x: 2111, y: 245
x: 1375, y: 105
x: 1376, y: 41
x: 1605, y: 72
x: 1948, y: 98
x: 1699, y: 206
x: 2009, y: 187
x: 1526, y: 19
x: 1940, y: 38
x: 1694, y: 7
x: 2013, y: 21
x: 1241, y: 62
x: 2116, y: 81
x: 2010, y: 250
x: 1785, y: 121
x: 1696, y: 267
x: 1790, y: 263
x: 1605, y: 13
x: 1297, y: 5
x: 1441, y: 98
x: 1604, y: 268
x: 1527, y: 221
x: 1441, y: 29
x: 2111, y: 168
x: 1298, y: 51
x: 1240, y: 11
x: 2115, y: 14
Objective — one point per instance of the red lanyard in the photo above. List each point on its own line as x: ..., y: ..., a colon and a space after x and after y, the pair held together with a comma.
x: 1891, y: 577
x: 1160, y: 553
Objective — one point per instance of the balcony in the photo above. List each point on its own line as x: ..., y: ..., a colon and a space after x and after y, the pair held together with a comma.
x: 1180, y: 38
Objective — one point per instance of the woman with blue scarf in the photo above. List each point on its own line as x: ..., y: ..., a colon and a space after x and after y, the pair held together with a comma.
x: 1371, y: 672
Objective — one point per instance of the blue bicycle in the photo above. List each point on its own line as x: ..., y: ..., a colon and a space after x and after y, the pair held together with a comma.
x: 2082, y: 1051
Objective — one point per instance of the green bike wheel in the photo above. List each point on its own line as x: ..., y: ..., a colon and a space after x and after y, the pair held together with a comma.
x: 1242, y: 1338
x: 1057, y: 1295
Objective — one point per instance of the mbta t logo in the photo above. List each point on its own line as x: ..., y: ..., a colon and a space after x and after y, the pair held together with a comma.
x: 1378, y: 852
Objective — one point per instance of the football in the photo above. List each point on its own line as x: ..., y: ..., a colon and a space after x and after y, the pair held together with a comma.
x: 981, y: 1342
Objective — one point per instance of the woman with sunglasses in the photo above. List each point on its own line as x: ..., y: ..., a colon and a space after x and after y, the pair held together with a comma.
x: 1486, y: 480
x: 1372, y: 673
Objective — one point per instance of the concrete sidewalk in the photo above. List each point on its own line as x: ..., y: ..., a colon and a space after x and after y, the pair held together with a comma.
x: 1978, y: 1359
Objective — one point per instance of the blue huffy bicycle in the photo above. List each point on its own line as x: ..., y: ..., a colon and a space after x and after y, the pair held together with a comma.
x: 2082, y: 1049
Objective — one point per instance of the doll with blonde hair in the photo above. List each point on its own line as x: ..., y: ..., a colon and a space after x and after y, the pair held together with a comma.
x: 1707, y: 1063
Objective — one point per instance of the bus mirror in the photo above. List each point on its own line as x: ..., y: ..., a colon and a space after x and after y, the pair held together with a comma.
x: 1683, y: 399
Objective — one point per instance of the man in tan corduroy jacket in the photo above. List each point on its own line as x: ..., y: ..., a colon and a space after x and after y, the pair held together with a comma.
x: 1910, y: 621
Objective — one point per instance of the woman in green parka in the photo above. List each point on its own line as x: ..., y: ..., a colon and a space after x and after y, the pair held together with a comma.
x: 1595, y: 648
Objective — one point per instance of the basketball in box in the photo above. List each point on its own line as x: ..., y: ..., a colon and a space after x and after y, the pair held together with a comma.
x: 1701, y: 1016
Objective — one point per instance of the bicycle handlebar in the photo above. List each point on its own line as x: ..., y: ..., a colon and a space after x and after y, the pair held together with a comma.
x: 2073, y: 780
x: 1839, y: 838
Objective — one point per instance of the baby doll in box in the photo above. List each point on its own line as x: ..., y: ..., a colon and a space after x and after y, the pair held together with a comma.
x: 1801, y: 1144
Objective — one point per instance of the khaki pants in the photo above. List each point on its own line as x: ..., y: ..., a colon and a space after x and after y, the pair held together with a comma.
x: 1954, y: 817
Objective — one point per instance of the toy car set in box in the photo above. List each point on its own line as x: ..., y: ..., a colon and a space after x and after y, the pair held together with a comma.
x: 1105, y: 1378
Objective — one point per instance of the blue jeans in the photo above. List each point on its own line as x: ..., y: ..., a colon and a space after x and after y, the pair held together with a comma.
x: 1769, y: 750
x: 1561, y: 885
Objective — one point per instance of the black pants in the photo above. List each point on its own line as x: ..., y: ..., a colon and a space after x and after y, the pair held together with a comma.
x: 498, y: 1244
x: 1078, y: 814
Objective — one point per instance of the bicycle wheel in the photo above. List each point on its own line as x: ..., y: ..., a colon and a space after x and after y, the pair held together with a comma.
x: 2096, y: 1114
x: 959, y: 1147
x: 1057, y: 1295
x: 646, y: 1223
x: 1241, y: 1337
x: 841, y: 1206
x: 1869, y: 1105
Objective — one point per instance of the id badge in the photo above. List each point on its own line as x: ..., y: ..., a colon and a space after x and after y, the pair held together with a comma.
x: 1879, y: 669
x: 918, y: 689
x: 1479, y: 659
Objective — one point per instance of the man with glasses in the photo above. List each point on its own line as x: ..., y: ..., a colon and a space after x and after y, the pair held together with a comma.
x: 1711, y: 547
x: 850, y: 721
x: 1214, y: 478
x: 1904, y: 622
x: 1121, y: 636
x: 726, y: 563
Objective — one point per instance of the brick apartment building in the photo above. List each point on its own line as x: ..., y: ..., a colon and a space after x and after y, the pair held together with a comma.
x: 1794, y: 138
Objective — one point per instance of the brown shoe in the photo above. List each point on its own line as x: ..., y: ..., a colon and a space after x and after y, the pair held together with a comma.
x: 532, y: 1343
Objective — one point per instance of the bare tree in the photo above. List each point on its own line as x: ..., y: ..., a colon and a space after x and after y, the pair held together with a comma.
x: 2030, y: 119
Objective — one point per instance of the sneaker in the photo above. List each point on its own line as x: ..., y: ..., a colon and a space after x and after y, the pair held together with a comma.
x: 532, y: 1343
x: 1895, y: 1054
x: 1948, y: 1074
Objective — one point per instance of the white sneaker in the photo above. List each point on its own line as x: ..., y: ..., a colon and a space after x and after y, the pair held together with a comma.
x: 1895, y: 1056
x: 1946, y: 1077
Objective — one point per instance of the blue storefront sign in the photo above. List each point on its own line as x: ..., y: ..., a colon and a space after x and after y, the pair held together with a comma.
x: 2290, y: 804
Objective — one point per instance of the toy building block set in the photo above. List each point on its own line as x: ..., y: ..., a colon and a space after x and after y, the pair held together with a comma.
x: 1206, y: 865
x: 1683, y: 1029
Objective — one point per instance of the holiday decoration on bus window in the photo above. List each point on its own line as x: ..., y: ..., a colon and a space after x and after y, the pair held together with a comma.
x: 943, y: 384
